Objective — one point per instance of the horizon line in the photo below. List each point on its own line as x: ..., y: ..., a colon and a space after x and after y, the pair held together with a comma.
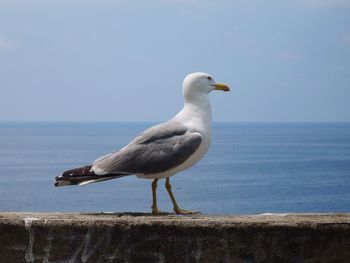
x: 134, y: 122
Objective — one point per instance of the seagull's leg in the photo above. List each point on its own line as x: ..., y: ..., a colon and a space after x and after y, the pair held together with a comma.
x: 154, y: 198
x: 177, y: 209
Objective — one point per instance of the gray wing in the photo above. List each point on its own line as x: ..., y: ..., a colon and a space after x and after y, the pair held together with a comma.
x: 158, y: 149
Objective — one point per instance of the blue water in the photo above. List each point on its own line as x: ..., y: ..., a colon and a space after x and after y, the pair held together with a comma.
x: 250, y: 168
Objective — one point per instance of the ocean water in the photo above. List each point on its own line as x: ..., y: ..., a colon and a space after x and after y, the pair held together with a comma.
x: 250, y: 168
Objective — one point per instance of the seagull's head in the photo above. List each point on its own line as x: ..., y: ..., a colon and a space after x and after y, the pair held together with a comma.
x: 199, y: 83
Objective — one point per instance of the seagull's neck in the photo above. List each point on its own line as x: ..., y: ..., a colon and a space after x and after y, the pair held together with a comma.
x: 197, y: 112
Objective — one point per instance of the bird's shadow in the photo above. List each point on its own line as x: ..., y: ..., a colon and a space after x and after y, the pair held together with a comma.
x: 133, y: 214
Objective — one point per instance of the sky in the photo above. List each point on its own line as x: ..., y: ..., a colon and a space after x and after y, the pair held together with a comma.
x: 104, y: 60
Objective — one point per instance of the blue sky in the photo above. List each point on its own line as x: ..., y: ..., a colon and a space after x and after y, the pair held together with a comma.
x: 125, y: 60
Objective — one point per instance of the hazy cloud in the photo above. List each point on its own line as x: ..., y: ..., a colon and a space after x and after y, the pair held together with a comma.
x: 289, y: 55
x: 309, y: 3
x: 21, y: 3
x: 7, y: 44
x: 346, y: 39
x: 327, y: 3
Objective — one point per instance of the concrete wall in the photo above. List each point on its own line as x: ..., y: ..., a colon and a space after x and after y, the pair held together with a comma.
x: 63, y: 237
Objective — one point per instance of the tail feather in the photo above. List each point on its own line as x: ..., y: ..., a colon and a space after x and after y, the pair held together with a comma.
x: 82, y: 176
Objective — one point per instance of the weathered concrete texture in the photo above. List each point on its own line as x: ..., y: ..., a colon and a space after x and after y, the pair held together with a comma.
x: 73, y: 237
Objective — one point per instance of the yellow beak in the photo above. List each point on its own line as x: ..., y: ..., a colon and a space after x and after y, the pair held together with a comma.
x: 221, y: 86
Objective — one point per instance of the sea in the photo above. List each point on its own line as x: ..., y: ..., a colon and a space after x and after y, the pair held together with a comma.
x: 251, y: 168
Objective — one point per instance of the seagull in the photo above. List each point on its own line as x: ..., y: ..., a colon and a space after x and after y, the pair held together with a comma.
x: 160, y: 151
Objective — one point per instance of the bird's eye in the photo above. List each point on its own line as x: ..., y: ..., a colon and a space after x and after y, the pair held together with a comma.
x: 209, y: 78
